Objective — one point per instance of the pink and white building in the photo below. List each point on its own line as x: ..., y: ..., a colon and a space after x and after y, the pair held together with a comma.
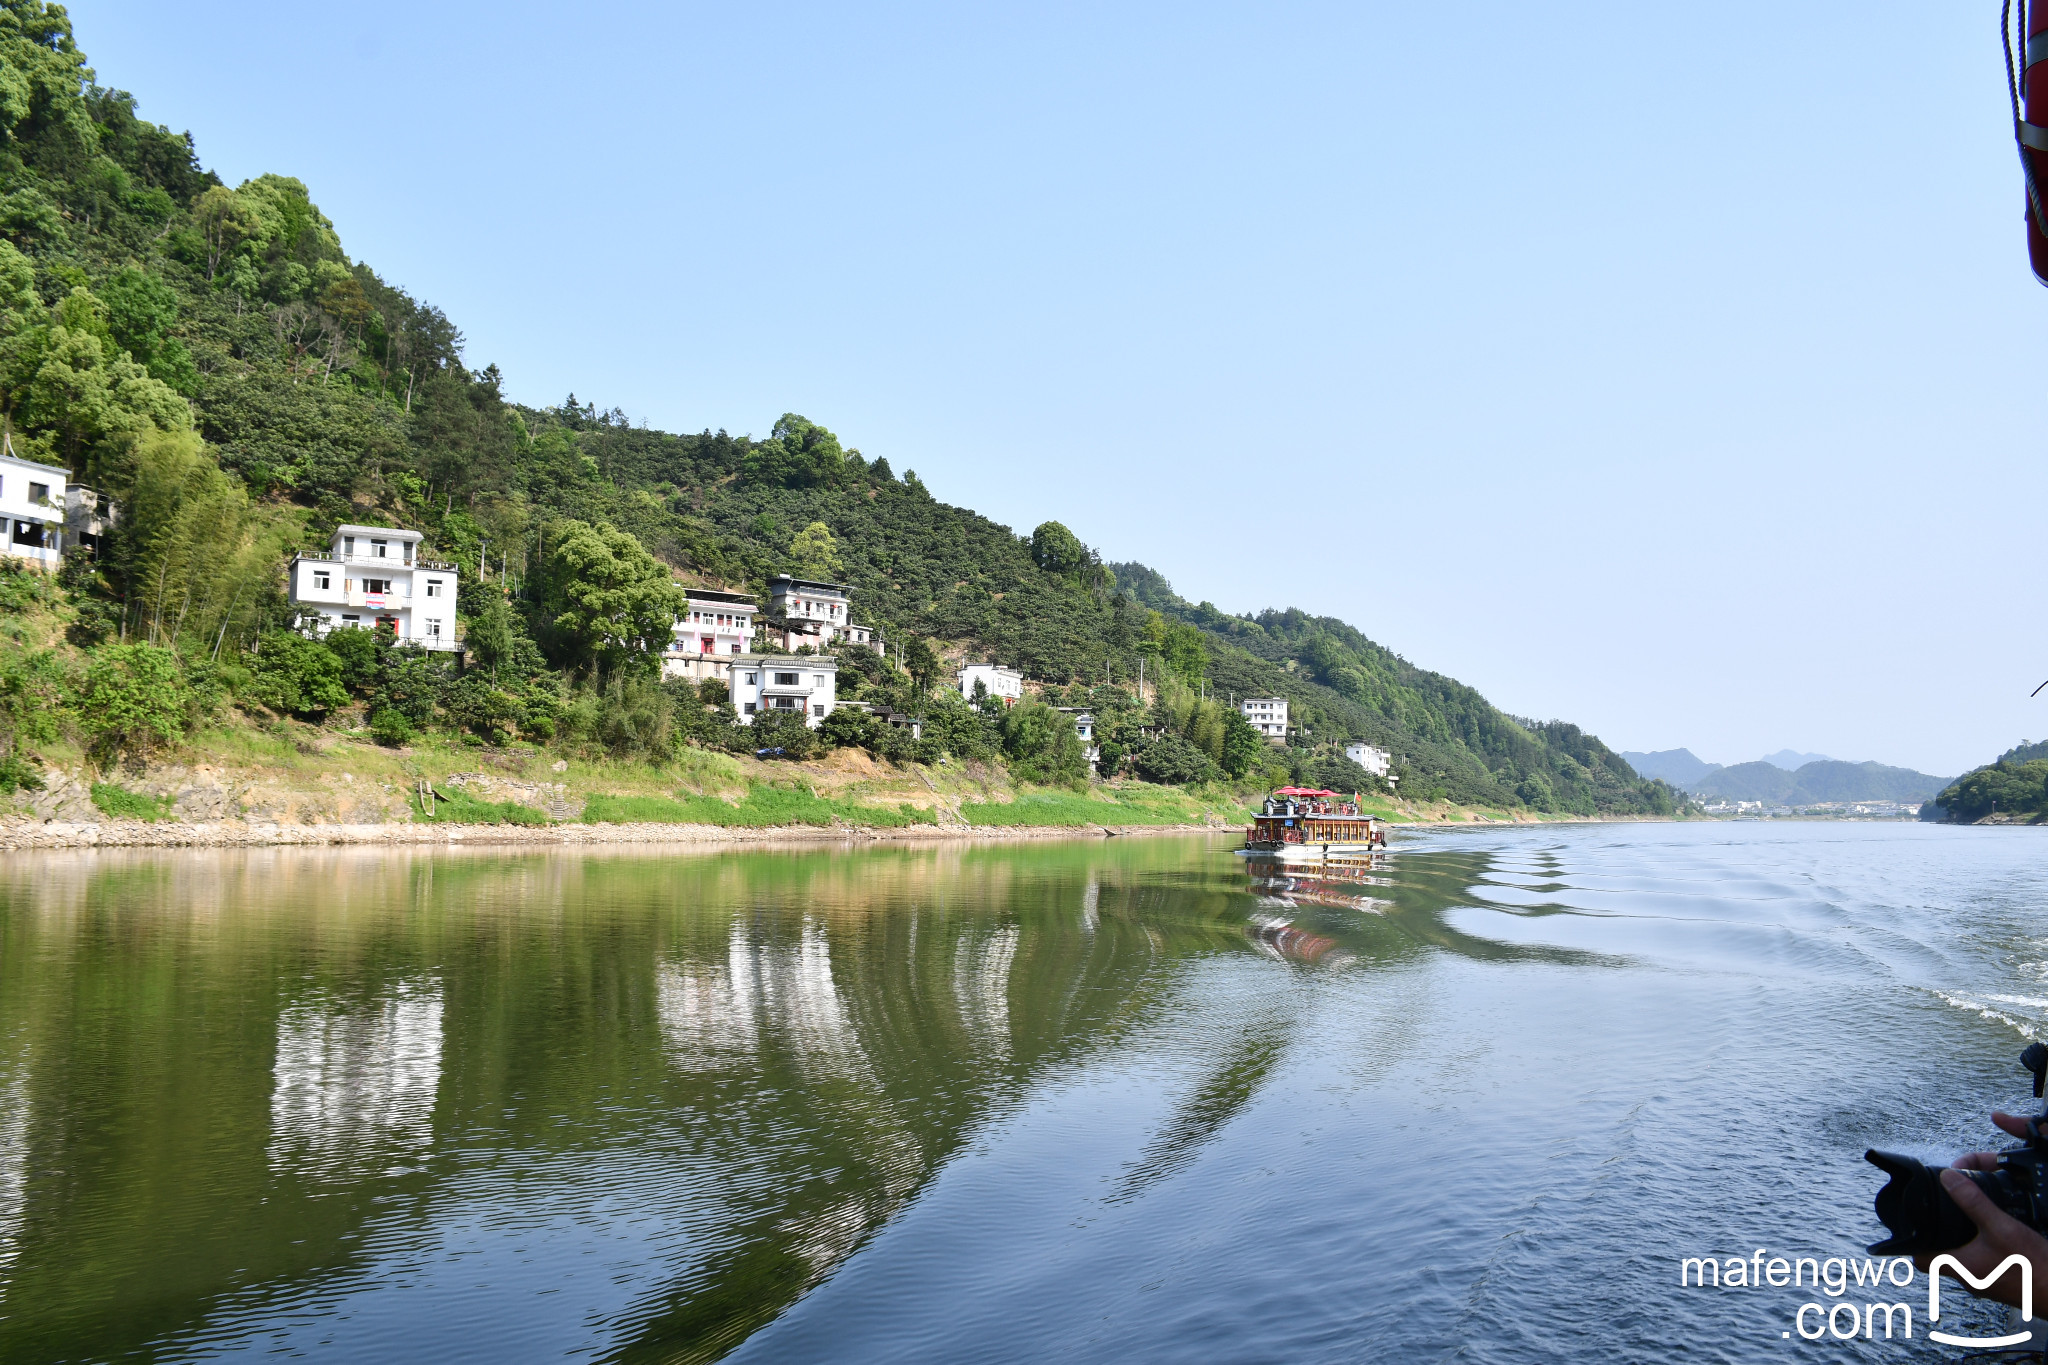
x: 717, y: 628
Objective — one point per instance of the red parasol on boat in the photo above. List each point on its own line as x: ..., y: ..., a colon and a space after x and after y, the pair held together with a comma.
x: 1302, y: 791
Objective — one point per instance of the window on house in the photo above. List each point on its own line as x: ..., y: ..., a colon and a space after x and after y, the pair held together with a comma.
x: 750, y: 708
x: 322, y: 581
x: 433, y: 587
x: 433, y: 630
x: 753, y: 679
x: 348, y: 545
x: 785, y: 680
x: 39, y: 493
x: 785, y: 703
x: 818, y: 710
x: 377, y: 549
x: 29, y: 534
x: 379, y: 585
x: 351, y: 620
x: 818, y: 680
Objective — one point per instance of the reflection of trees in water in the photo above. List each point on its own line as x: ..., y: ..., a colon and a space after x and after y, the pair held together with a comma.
x: 940, y: 1003
x: 802, y: 1039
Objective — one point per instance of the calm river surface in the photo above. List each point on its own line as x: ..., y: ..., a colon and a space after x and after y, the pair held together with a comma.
x: 1098, y: 1101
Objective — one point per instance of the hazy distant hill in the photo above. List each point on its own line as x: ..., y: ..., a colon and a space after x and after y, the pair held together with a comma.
x: 1679, y: 767
x: 1829, y: 780
x: 1791, y: 760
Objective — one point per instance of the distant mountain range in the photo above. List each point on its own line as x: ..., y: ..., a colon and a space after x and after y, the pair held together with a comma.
x: 1680, y: 767
x: 1813, y: 778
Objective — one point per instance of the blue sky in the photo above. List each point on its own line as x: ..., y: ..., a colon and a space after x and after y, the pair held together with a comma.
x: 1675, y: 371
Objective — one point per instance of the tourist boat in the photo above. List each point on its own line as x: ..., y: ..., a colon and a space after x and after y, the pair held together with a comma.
x: 1304, y: 827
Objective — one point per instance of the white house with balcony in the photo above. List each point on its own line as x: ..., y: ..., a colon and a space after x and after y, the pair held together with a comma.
x: 1268, y: 715
x: 376, y: 576
x: 1374, y: 761
x: 1006, y: 685
x: 803, y: 684
x: 804, y: 611
x: 33, y: 508
x: 716, y: 628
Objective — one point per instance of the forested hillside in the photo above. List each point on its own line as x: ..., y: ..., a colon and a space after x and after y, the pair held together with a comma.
x: 2015, y: 786
x: 213, y: 358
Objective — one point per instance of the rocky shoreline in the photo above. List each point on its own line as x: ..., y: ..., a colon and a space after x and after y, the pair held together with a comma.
x: 18, y: 833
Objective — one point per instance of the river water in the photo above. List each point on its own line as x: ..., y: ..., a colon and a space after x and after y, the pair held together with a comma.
x: 1091, y: 1100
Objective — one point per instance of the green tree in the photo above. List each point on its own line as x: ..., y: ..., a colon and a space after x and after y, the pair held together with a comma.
x: 1244, y: 750
x: 295, y: 676
x: 360, y: 653
x: 141, y: 312
x: 32, y: 704
x: 921, y: 661
x: 1055, y: 549
x: 1043, y: 745
x: 1170, y: 759
x: 607, y: 602
x: 813, y: 553
x: 196, y: 560
x: 490, y: 634
x: 132, y: 703
x: 784, y: 730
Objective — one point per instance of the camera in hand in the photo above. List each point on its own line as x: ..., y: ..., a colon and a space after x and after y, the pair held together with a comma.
x: 1923, y: 1220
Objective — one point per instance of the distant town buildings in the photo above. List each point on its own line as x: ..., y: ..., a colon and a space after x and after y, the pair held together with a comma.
x: 805, y: 684
x: 803, y: 612
x: 1374, y: 761
x: 1268, y: 716
x: 716, y: 628
x: 374, y: 576
x: 1006, y: 685
x: 32, y: 504
x: 1828, y: 810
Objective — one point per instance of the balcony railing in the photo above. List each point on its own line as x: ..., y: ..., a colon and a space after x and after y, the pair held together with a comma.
x: 388, y: 562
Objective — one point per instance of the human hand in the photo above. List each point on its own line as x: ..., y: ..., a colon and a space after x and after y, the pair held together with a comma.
x: 1999, y: 1234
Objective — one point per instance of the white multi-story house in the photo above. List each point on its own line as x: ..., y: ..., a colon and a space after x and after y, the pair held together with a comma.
x: 1006, y: 685
x: 802, y: 612
x: 375, y: 576
x: 1373, y: 760
x: 716, y: 628
x: 1268, y: 715
x: 32, y: 509
x: 803, y: 683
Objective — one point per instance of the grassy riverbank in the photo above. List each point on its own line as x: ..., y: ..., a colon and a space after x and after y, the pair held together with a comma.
x: 287, y: 774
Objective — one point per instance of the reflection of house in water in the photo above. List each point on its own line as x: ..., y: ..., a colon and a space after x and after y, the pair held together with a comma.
x: 350, y: 1077
x: 981, y: 983
x: 13, y: 1164
x: 712, y: 1013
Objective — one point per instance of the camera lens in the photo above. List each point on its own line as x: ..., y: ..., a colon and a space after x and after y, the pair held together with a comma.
x: 1921, y: 1216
